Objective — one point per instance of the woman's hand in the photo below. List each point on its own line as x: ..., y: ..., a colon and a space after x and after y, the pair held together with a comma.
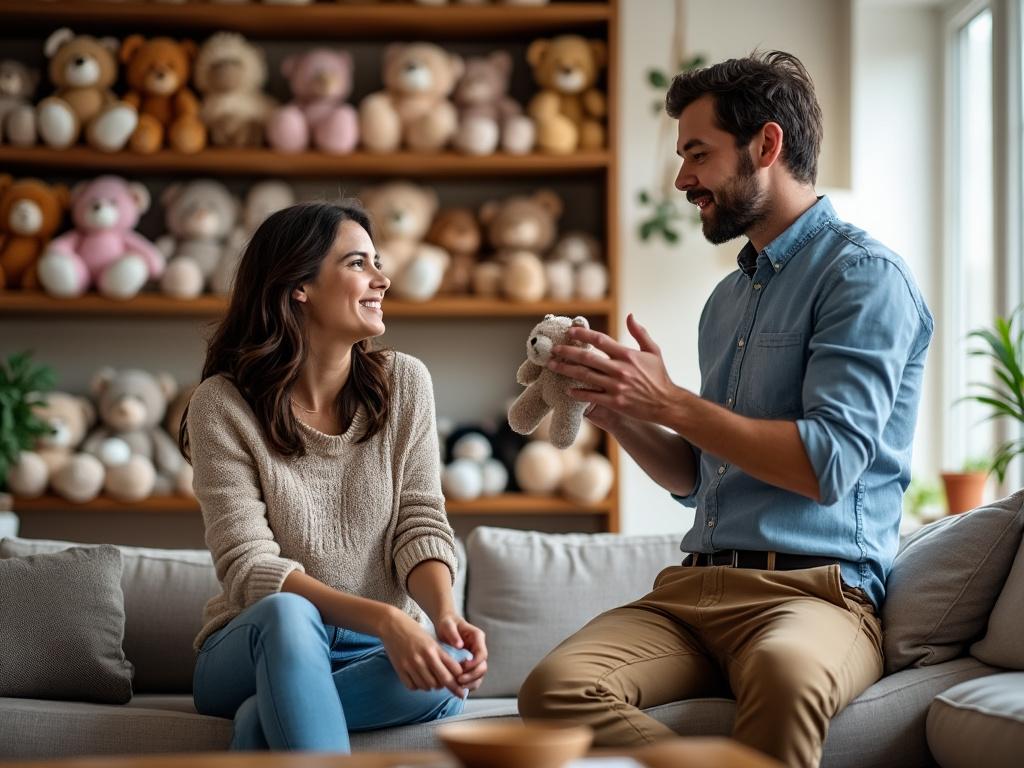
x: 421, y: 663
x: 459, y: 633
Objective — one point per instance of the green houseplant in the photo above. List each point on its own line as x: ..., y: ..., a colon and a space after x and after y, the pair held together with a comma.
x: 22, y: 384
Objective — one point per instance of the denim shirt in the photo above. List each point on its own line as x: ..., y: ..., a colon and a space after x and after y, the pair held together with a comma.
x: 825, y: 327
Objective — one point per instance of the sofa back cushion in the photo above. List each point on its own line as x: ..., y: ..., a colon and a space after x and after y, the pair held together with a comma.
x: 944, y: 582
x: 528, y: 591
x: 164, y: 594
x: 1003, y: 644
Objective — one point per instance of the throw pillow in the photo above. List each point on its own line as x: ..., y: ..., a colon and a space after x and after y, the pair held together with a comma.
x: 944, y: 582
x: 1003, y: 644
x: 61, y: 627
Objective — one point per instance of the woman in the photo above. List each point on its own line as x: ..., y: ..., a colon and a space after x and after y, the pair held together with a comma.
x: 316, y: 465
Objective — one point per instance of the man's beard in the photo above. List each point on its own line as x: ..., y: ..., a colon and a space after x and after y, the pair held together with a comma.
x: 737, y: 206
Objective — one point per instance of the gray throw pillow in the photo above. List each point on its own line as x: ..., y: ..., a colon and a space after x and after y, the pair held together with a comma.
x: 944, y: 582
x: 164, y: 594
x: 61, y: 627
x: 1003, y: 644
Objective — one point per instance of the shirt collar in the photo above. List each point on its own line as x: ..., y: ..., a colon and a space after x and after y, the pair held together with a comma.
x: 779, y: 251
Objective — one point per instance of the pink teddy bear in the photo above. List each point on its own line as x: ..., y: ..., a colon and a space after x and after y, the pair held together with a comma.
x: 321, y: 80
x: 102, y: 250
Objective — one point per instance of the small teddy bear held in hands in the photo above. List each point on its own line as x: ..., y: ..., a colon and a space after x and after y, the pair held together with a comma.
x: 545, y: 389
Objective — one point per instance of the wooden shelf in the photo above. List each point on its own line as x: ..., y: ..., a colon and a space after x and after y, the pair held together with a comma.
x: 505, y: 504
x: 325, y: 21
x: 220, y: 161
x: 34, y: 304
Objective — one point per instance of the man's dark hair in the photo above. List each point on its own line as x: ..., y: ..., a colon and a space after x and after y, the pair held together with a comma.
x: 771, y: 87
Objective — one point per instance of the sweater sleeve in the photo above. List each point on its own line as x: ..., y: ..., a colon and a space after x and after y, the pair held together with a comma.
x: 247, y: 557
x: 422, y: 532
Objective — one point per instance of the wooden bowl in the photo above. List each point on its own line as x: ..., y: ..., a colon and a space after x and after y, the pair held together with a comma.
x: 515, y: 745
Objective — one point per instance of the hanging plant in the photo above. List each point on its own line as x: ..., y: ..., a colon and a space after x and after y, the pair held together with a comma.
x: 22, y: 385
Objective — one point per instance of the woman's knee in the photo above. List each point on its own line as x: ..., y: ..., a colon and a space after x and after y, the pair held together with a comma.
x: 288, y: 619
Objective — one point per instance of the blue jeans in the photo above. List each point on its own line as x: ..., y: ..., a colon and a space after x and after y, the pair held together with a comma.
x: 292, y: 682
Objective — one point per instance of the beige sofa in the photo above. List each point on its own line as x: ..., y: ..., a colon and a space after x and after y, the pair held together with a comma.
x: 530, y: 590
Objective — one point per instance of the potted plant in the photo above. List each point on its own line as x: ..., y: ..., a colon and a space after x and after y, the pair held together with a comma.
x: 965, y: 489
x: 1003, y: 345
x: 22, y: 384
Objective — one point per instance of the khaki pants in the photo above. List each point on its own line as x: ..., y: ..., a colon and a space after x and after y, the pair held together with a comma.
x: 794, y: 647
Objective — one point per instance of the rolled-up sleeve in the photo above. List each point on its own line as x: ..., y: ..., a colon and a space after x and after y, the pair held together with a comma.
x: 867, y: 327
x: 246, y: 556
x: 422, y: 531
x: 690, y: 499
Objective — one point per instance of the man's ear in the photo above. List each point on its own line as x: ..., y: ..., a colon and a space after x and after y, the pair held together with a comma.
x: 768, y: 145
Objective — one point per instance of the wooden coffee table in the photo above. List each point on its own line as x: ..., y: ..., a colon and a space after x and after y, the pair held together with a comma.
x: 678, y: 753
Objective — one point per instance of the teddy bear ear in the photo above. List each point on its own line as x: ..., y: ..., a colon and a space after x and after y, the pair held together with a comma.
x: 62, y: 194
x: 130, y: 46
x: 392, y: 52
x: 111, y: 44
x: 56, y: 40
x: 580, y: 322
x: 190, y: 48
x: 599, y: 51
x: 101, y: 381
x: 549, y: 201
x: 535, y: 53
x: 458, y: 66
x: 168, y: 386
x: 77, y: 191
x: 140, y: 195
x: 549, y: 317
x: 88, y: 410
x: 170, y: 195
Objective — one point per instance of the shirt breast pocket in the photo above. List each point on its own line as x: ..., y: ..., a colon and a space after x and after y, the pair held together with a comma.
x: 774, y: 374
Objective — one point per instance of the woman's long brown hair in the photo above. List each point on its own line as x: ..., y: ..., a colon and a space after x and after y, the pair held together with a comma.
x: 260, y: 346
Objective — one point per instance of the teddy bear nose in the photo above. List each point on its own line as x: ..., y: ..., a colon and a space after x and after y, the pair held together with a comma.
x: 79, y: 61
x: 533, y: 342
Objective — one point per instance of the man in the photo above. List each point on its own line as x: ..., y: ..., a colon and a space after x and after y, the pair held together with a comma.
x: 796, y: 454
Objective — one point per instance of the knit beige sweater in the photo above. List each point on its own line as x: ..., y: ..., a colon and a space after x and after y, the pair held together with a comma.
x: 358, y: 517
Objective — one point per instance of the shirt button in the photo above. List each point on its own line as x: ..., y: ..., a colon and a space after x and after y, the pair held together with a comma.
x: 777, y: 266
x: 740, y: 343
x: 721, y: 470
x: 728, y: 401
x: 757, y: 286
x: 711, y: 523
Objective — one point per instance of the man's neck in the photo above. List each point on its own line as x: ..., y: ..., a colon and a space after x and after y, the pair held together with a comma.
x: 788, y: 205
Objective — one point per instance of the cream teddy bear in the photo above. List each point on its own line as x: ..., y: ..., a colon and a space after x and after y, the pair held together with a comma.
x: 545, y: 389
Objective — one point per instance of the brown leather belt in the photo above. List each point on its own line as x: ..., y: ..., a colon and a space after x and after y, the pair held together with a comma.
x: 767, y: 561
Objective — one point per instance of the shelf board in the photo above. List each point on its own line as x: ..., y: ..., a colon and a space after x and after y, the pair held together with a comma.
x: 326, y: 21
x: 505, y: 504
x: 35, y: 304
x: 221, y: 161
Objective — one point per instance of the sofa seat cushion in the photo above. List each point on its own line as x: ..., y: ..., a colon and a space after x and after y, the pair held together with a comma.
x: 983, y: 717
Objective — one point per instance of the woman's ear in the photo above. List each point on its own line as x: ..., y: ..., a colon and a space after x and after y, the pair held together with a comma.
x: 299, y: 294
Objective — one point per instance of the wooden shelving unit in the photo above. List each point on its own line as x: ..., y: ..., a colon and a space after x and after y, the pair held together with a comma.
x: 344, y: 23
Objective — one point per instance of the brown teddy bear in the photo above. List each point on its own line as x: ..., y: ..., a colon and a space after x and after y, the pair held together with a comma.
x: 17, y: 115
x: 158, y: 71
x: 545, y: 389
x: 414, y: 110
x: 456, y: 230
x: 55, y: 460
x: 401, y: 213
x: 569, y: 111
x: 230, y: 73
x: 30, y: 214
x: 487, y: 116
x: 520, y: 229
x: 83, y: 69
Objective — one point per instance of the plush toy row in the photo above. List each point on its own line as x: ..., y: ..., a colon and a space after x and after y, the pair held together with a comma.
x: 432, y: 98
x: 425, y: 250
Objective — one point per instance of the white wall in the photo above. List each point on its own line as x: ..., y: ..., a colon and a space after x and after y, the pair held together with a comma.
x: 877, y: 72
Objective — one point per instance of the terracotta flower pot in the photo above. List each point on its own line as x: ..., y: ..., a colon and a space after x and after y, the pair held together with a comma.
x: 964, y: 490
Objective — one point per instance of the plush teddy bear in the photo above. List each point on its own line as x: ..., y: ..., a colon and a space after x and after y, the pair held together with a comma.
x: 545, y: 389
x: 17, y: 115
x: 102, y: 249
x: 472, y: 470
x: 401, y: 213
x: 200, y: 217
x: 568, y: 110
x: 55, y: 461
x: 30, y: 214
x: 574, y: 268
x: 157, y: 72
x: 487, y: 116
x: 520, y: 229
x: 456, y: 230
x: 230, y: 73
x: 321, y: 80
x: 413, y: 110
x: 83, y: 69
x: 140, y: 457
x: 262, y: 199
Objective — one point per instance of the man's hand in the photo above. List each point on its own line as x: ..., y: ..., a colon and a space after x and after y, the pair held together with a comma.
x: 459, y: 633
x: 630, y: 382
